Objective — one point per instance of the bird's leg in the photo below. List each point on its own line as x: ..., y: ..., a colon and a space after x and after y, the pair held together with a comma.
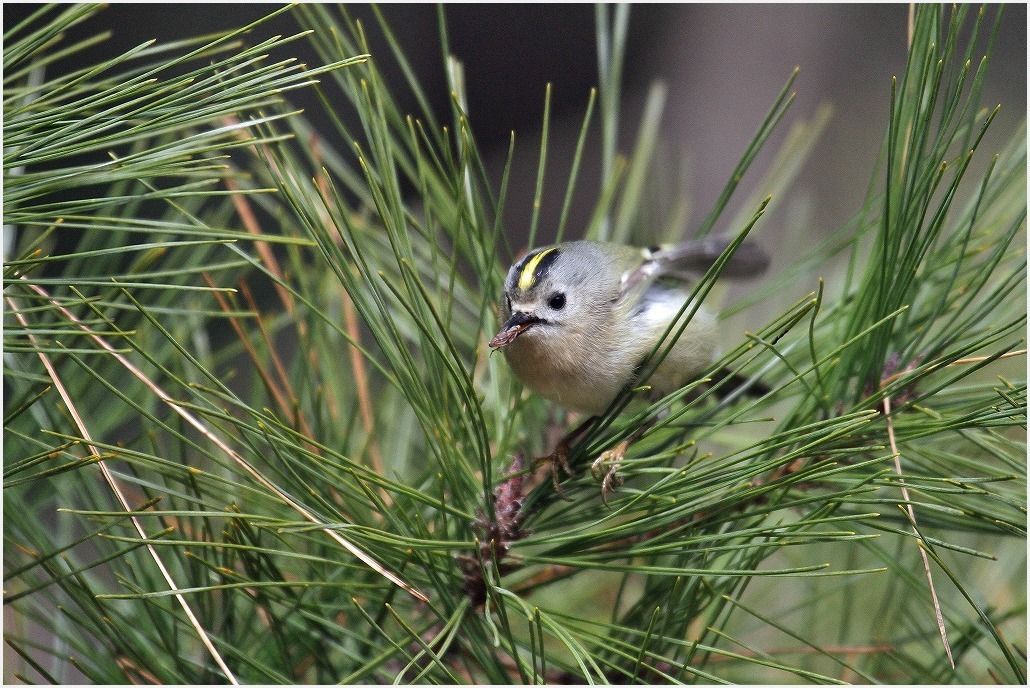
x: 611, y: 479
x: 613, y: 456
x: 559, y: 457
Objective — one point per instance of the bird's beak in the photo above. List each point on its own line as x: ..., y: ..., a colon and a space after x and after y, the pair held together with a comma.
x: 517, y: 324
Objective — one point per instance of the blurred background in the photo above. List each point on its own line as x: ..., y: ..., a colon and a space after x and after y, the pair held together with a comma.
x: 723, y: 65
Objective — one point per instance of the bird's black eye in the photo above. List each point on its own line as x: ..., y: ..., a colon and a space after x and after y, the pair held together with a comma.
x: 557, y: 301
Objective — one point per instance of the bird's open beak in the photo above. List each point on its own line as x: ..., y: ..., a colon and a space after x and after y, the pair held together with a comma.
x: 517, y: 324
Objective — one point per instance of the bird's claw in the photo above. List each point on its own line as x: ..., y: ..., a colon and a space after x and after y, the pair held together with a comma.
x: 558, y: 459
x: 611, y: 479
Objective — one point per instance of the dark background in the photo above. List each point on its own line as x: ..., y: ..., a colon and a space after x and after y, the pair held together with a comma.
x: 723, y: 64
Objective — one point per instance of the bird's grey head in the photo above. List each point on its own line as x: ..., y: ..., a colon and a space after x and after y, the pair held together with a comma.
x: 550, y: 288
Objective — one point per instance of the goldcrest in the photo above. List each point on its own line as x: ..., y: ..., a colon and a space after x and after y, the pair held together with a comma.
x: 581, y: 317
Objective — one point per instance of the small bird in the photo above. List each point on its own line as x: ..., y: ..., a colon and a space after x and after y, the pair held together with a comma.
x: 581, y: 317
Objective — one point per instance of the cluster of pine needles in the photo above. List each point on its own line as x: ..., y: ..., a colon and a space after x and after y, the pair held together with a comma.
x: 253, y: 432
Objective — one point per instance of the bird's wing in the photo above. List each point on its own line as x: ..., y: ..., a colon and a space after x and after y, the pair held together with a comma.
x: 689, y: 260
x: 695, y: 257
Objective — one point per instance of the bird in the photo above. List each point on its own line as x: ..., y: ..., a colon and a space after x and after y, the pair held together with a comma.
x: 580, y: 319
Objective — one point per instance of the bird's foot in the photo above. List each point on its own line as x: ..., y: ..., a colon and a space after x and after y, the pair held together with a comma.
x: 557, y: 460
x: 611, y: 479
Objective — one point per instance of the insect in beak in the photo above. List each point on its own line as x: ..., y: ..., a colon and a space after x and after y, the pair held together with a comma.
x: 517, y: 324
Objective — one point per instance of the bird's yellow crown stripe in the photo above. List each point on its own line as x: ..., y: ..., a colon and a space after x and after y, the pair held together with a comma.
x: 528, y: 275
